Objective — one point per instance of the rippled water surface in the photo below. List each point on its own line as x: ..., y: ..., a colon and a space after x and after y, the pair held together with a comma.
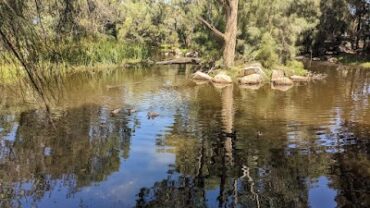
x: 308, y: 146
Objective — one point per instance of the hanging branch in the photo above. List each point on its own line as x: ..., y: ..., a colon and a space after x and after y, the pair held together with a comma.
x: 212, y: 28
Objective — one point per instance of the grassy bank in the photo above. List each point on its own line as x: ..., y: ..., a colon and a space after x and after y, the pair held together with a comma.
x: 355, y: 60
x: 76, y: 56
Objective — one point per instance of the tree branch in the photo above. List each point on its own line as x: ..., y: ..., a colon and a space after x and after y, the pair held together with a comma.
x: 212, y: 28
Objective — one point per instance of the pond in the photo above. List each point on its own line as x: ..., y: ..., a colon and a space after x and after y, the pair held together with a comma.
x: 308, y: 146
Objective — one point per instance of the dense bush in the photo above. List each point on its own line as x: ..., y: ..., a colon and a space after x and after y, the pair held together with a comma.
x: 91, y: 52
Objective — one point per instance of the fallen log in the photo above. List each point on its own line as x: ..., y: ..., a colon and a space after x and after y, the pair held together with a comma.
x: 186, y: 60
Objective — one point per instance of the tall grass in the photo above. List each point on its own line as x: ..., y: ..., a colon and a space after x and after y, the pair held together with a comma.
x: 72, y: 55
x: 89, y: 52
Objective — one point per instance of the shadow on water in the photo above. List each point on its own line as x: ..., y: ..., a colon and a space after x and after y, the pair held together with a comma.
x: 210, y: 147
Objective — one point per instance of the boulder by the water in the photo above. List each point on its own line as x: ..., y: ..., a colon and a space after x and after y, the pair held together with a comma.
x: 201, y: 76
x: 222, y: 79
x: 332, y: 60
x: 284, y: 81
x: 193, y: 54
x: 299, y: 58
x: 278, y: 78
x: 255, y: 68
x: 252, y: 79
x: 316, y: 59
x: 276, y: 75
x: 296, y: 78
x: 178, y: 53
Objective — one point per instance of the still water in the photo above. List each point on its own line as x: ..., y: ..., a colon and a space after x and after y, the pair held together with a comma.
x: 308, y: 146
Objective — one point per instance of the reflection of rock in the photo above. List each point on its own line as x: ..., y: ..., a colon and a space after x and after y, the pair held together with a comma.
x: 251, y: 87
x: 283, y: 81
x: 200, y: 82
x: 296, y: 78
x: 201, y: 76
x: 252, y: 79
x: 318, y: 76
x: 220, y: 85
x: 222, y: 79
x: 112, y: 87
x: 281, y: 87
x: 277, y: 74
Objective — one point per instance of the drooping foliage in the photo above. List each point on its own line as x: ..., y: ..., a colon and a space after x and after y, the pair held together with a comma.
x: 270, y: 30
x: 110, y: 31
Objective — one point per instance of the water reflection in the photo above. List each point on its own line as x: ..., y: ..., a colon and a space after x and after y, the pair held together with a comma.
x: 83, y: 149
x: 210, y: 147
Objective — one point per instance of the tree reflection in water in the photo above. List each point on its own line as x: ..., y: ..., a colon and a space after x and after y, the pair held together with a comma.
x: 202, y: 151
x: 244, y: 170
x: 81, y: 150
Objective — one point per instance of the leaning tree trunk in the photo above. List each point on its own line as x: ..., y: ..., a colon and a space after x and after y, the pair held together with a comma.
x: 358, y: 32
x: 230, y: 34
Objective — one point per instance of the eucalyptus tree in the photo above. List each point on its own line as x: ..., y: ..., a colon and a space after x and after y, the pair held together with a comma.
x: 229, y: 36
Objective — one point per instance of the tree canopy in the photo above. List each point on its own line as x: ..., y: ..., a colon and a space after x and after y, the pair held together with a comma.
x: 273, y: 32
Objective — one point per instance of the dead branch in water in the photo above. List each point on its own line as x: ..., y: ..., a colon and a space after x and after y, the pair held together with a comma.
x: 180, y: 61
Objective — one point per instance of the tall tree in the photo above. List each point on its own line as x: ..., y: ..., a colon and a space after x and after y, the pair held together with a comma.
x: 229, y: 36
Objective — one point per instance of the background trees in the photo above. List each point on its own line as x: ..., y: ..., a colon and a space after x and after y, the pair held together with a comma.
x: 110, y: 31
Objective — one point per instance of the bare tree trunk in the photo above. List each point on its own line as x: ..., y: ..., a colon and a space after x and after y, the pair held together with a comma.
x: 230, y: 34
x: 358, y: 32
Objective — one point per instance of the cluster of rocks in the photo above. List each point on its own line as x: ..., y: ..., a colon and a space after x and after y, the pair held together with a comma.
x: 221, y: 78
x: 327, y: 58
x: 252, y: 75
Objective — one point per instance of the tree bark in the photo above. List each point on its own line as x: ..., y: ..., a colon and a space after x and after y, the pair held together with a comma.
x: 358, y: 32
x: 230, y: 34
